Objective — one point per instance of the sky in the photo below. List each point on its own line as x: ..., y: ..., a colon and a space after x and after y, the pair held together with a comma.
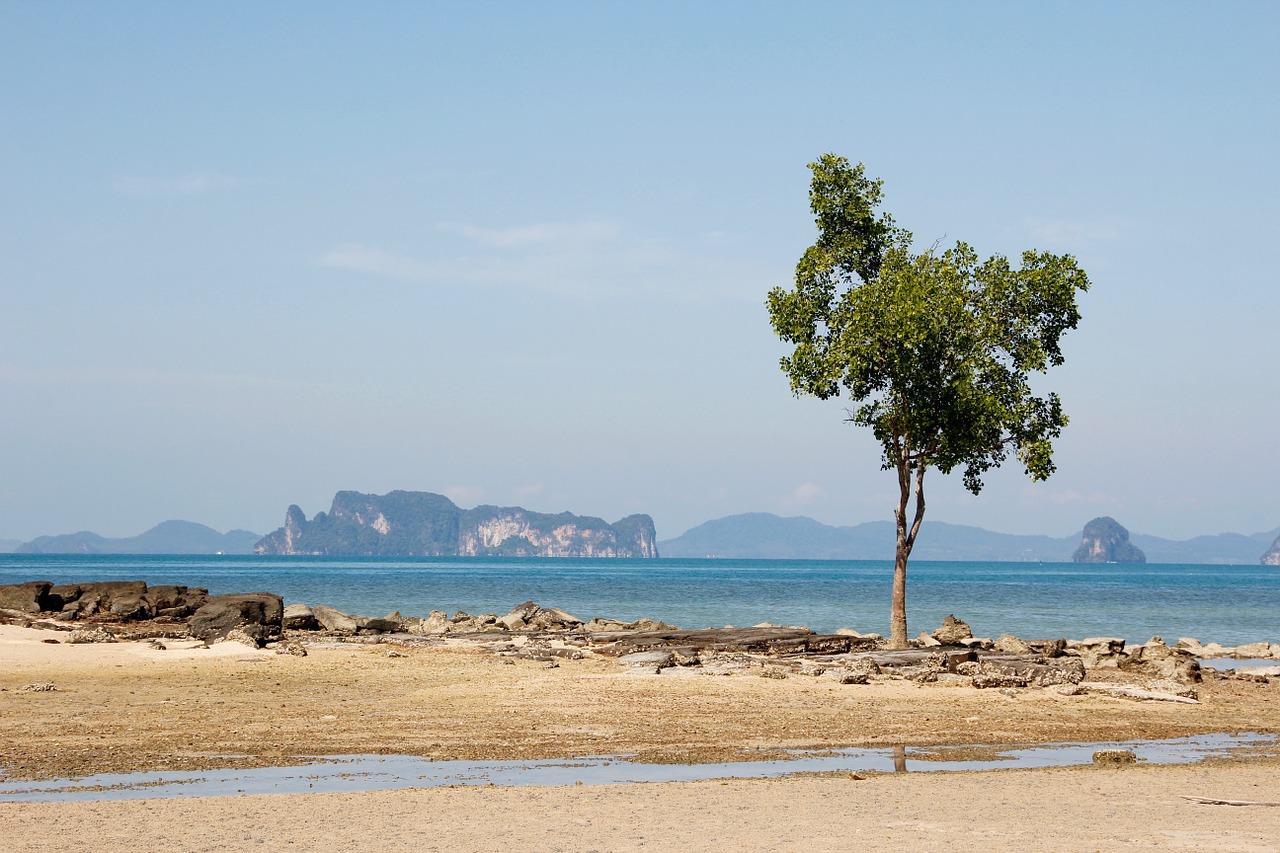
x: 517, y: 253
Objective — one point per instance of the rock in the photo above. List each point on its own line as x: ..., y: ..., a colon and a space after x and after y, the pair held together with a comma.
x: 1256, y: 650
x: 1162, y: 661
x: 1190, y: 644
x: 850, y: 677
x: 862, y: 666
x: 334, y: 620
x: 1216, y: 650
x: 382, y: 626
x: 1106, y: 541
x: 132, y: 608
x: 40, y: 687
x: 299, y: 617
x: 986, y: 680
x: 242, y: 634
x: 176, y: 601
x: 927, y: 641
x: 1128, y: 691
x: 1011, y: 645
x: 1114, y: 757
x: 530, y: 616
x: 158, y: 646
x: 601, y: 624
x: 1097, y: 650
x: 257, y: 615
x: 95, y: 634
x: 773, y: 672
x: 437, y: 622
x: 1070, y: 690
x: 952, y: 632
x: 30, y: 597
x: 648, y: 660
x: 100, y: 596
x: 1030, y: 671
x: 291, y: 647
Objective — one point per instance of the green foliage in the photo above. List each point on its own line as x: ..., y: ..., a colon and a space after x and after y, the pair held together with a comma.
x: 936, y: 349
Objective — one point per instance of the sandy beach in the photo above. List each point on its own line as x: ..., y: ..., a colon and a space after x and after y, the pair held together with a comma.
x: 128, y: 706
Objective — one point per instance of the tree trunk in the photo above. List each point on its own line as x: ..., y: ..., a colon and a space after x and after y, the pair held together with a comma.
x: 906, y: 541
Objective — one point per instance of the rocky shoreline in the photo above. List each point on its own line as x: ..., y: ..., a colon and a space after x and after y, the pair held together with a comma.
x: 951, y: 655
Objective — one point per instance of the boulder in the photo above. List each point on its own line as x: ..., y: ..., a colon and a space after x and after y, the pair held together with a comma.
x: 1162, y: 661
x: 1010, y: 644
x: 437, y: 622
x: 176, y: 601
x: 299, y: 617
x: 532, y: 617
x: 1095, y: 650
x: 258, y: 615
x: 952, y: 632
x: 332, y: 619
x: 30, y: 597
x: 132, y: 608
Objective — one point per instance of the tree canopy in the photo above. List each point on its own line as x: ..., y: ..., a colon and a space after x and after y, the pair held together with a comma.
x: 935, y: 349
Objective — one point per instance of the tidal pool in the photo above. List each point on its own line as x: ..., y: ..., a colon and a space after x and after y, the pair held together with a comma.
x: 386, y: 772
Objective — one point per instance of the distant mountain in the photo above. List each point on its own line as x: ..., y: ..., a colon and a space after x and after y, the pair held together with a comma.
x: 404, y: 523
x: 1224, y: 548
x: 8, y: 546
x: 767, y: 536
x: 167, y: 537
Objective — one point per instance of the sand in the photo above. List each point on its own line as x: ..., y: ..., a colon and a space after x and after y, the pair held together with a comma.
x: 121, y: 707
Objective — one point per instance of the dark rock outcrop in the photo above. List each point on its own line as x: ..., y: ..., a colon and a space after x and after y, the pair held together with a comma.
x: 30, y: 597
x: 424, y: 524
x: 1106, y: 541
x: 256, y: 616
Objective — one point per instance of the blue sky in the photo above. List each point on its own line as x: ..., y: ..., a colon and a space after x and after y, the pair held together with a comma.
x: 518, y: 253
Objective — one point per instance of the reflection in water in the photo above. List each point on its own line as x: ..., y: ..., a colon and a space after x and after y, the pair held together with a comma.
x: 900, y: 758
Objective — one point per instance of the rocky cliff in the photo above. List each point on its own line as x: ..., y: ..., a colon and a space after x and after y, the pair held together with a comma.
x: 425, y: 524
x: 1106, y: 541
x: 1272, y: 557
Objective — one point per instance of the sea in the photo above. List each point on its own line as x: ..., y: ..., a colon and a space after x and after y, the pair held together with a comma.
x: 1228, y: 604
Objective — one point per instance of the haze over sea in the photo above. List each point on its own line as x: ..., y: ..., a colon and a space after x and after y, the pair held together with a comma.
x: 1226, y: 604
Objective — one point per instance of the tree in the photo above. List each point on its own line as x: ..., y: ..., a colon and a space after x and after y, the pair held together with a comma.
x: 934, y: 349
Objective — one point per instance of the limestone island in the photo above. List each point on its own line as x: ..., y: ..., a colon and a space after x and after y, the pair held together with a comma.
x: 1106, y: 541
x: 424, y: 524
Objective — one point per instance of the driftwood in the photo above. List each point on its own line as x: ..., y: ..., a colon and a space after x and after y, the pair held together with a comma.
x: 1208, y: 801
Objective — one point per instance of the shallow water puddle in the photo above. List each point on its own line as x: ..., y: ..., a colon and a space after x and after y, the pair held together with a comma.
x: 346, y: 773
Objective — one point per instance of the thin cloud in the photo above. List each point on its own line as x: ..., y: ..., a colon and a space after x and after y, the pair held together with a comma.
x: 803, y: 495
x: 532, y: 236
x: 192, y: 184
x: 571, y: 259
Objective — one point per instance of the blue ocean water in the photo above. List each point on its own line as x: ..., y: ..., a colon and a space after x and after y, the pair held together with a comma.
x: 1226, y: 604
